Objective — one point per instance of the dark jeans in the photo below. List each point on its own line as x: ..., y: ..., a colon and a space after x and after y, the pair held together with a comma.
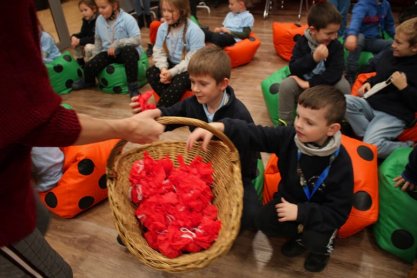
x: 314, y: 241
x: 126, y: 55
x: 219, y: 39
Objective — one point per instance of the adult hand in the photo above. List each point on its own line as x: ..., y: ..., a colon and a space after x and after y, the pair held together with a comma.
x: 364, y: 88
x: 405, y: 185
x: 320, y: 53
x: 302, y: 83
x: 399, y: 79
x: 144, y: 128
x: 286, y: 211
x: 351, y: 42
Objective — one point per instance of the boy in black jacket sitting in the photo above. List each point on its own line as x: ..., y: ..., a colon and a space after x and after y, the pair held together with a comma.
x: 317, y: 59
x: 315, y: 193
x: 380, y: 118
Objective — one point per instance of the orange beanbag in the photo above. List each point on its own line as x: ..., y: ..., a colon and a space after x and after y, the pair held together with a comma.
x: 186, y: 95
x: 243, y: 51
x: 83, y: 183
x: 284, y: 37
x: 365, y: 201
x: 360, y: 80
x: 153, y: 30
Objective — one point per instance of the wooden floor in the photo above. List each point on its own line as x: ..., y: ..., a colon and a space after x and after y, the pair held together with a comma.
x: 88, y: 242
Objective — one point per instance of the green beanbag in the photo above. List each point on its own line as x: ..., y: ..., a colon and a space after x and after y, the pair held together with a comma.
x: 258, y: 182
x: 112, y: 79
x: 396, y: 229
x: 270, y: 89
x: 62, y: 72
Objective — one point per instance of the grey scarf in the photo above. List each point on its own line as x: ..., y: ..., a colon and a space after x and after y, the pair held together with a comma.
x: 312, y: 150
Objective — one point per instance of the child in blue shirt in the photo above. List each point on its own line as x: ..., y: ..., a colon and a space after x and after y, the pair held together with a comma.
x: 178, y: 38
x: 117, y: 40
x: 48, y: 47
x: 237, y: 26
x: 370, y: 18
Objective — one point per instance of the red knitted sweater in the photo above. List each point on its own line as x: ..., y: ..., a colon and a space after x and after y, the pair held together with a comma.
x: 30, y: 115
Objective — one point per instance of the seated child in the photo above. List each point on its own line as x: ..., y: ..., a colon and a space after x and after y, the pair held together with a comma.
x: 408, y: 179
x: 178, y: 38
x: 48, y: 47
x: 315, y: 193
x: 237, y: 26
x: 214, y: 99
x: 370, y: 18
x: 117, y: 40
x: 317, y: 58
x: 83, y: 42
x: 380, y: 118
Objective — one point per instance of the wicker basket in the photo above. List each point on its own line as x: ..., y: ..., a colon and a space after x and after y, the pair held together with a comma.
x: 227, y: 191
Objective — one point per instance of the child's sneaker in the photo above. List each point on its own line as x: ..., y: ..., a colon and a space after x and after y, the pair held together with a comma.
x: 81, y: 84
x: 293, y: 248
x: 316, y: 262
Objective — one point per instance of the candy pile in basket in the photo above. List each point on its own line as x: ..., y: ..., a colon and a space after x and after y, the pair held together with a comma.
x: 174, y: 204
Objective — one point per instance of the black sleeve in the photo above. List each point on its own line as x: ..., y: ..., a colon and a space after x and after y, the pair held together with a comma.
x: 242, y: 35
x: 302, y: 61
x: 410, y: 171
x: 176, y: 110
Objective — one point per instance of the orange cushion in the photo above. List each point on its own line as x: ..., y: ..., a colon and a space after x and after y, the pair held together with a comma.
x: 153, y: 30
x: 283, y: 34
x: 365, y: 203
x: 243, y: 51
x: 83, y: 183
x: 410, y: 134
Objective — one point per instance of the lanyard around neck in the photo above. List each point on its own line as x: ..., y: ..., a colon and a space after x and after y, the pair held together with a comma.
x: 309, y: 194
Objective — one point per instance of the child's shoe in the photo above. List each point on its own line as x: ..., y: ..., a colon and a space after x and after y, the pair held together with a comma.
x: 149, y: 51
x: 133, y: 89
x: 316, y: 262
x: 293, y: 248
x: 81, y: 84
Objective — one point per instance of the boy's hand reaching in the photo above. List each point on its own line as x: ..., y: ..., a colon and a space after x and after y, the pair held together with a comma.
x: 201, y: 134
x: 399, y: 79
x: 405, y: 185
x: 286, y: 211
x: 351, y: 42
x: 364, y: 88
x: 134, y: 105
x: 320, y: 53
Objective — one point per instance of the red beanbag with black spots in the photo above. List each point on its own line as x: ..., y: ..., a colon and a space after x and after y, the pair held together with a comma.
x: 83, y: 183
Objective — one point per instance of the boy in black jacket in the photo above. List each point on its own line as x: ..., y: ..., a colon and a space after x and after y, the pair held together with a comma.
x: 382, y: 117
x: 315, y: 193
x: 317, y: 58
x: 214, y: 99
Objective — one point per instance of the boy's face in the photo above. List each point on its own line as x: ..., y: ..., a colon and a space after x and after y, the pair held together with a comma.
x: 170, y: 13
x: 86, y: 11
x: 207, y: 90
x: 105, y: 8
x: 325, y: 35
x: 311, y: 125
x: 401, y: 47
x: 236, y: 6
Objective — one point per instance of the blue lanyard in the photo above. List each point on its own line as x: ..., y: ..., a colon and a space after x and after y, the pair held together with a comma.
x: 320, y: 179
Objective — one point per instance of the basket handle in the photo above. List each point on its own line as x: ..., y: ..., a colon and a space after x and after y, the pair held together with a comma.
x: 198, y: 123
x: 118, y: 148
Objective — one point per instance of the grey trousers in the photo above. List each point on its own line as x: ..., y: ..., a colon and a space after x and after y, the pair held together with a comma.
x: 288, y: 96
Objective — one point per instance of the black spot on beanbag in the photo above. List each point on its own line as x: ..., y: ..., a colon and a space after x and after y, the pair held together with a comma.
x: 274, y: 88
x: 362, y: 200
x: 67, y: 58
x: 58, y: 68
x: 102, y: 183
x: 86, y: 202
x: 68, y: 83
x: 365, y: 153
x: 110, y: 69
x: 85, y: 167
x: 402, y: 239
x: 51, y: 200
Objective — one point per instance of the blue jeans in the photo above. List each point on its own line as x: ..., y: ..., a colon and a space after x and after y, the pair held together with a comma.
x: 343, y: 7
x: 376, y: 127
x: 373, y: 45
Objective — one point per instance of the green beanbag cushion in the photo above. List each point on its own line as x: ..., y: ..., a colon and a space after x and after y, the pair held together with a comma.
x: 112, y: 79
x: 396, y: 229
x: 270, y: 89
x: 62, y: 72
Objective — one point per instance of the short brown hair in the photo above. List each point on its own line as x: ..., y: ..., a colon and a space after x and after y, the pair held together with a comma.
x: 210, y: 60
x: 322, y: 14
x: 409, y: 28
x: 322, y: 96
